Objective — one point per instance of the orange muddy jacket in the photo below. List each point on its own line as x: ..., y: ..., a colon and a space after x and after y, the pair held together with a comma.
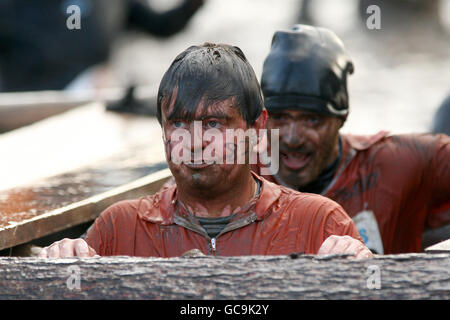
x: 393, y: 187
x: 281, y: 222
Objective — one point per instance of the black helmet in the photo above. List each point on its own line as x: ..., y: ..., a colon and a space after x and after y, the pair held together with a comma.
x: 307, y: 69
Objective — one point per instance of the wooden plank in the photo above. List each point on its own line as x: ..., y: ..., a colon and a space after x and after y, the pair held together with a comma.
x: 405, y: 276
x: 18, y: 109
x: 75, y: 139
x: 79, y: 212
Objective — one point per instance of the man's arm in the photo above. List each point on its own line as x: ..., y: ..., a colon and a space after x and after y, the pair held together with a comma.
x: 342, y: 236
x: 91, y: 246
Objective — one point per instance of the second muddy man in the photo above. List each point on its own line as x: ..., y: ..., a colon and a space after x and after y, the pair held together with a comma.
x: 393, y: 186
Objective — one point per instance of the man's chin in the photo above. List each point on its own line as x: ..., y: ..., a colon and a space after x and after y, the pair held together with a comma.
x: 200, y: 178
x: 294, y: 178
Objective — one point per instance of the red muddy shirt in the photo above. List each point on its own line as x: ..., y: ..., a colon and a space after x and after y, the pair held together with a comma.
x: 281, y: 221
x: 393, y: 187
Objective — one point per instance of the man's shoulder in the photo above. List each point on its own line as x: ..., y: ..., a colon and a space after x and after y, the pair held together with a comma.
x: 153, y: 208
x: 317, y: 203
x: 286, y: 195
x: 312, y: 210
x: 408, y: 151
x: 298, y: 202
x: 122, y: 206
x: 364, y: 142
x: 403, y: 140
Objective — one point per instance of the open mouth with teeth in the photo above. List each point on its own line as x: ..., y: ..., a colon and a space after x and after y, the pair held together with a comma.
x: 295, y: 160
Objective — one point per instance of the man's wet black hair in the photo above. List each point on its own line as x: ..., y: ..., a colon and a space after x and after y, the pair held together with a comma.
x: 214, y: 72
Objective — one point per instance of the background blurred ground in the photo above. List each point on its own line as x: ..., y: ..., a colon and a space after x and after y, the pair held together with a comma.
x: 401, y: 74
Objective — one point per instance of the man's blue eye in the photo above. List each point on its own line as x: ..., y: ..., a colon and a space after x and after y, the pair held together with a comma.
x: 213, y: 124
x: 178, y: 124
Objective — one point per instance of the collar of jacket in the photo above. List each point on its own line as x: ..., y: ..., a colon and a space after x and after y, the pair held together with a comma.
x: 351, y: 145
x: 362, y: 142
x: 161, y: 207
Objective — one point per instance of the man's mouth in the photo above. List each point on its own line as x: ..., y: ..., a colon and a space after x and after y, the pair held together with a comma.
x: 198, y: 165
x: 295, y: 160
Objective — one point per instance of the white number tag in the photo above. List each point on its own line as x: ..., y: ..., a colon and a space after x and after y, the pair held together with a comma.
x: 368, y: 229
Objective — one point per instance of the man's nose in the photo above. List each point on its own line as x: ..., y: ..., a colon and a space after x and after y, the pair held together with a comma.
x: 197, y: 141
x: 293, y: 135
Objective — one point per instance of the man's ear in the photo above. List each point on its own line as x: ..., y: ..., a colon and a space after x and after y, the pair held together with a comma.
x: 260, y: 122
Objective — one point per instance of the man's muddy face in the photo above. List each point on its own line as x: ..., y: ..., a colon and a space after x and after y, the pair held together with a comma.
x: 198, y: 173
x: 308, y: 143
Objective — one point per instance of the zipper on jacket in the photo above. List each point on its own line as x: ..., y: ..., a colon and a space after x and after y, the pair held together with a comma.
x: 213, y: 245
x: 233, y: 226
x: 212, y: 241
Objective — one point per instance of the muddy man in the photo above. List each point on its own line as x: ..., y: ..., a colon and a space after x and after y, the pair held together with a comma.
x: 218, y: 207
